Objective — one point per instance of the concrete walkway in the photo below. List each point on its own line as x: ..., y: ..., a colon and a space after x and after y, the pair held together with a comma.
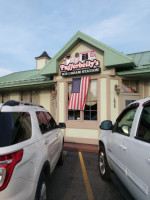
x: 81, y: 147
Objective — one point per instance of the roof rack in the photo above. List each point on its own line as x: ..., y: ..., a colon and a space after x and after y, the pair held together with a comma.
x: 17, y: 103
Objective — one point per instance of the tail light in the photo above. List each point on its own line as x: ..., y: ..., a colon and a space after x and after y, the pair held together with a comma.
x: 7, y: 165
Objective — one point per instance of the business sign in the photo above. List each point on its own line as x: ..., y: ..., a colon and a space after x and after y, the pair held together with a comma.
x: 129, y: 90
x: 80, y: 68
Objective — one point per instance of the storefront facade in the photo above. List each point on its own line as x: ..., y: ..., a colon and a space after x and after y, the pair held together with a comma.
x: 111, y: 80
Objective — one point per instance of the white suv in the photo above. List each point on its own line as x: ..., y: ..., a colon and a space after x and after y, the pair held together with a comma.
x: 124, y: 148
x: 31, y: 144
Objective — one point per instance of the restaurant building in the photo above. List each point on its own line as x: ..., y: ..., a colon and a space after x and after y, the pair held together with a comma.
x: 85, y: 83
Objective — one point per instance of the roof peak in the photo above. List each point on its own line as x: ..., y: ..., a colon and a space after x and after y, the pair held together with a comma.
x: 44, y: 54
x: 112, y: 57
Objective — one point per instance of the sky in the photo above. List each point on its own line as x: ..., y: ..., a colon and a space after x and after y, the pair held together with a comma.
x: 29, y: 27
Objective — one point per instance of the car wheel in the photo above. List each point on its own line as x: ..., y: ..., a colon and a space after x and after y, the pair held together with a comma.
x: 104, y: 168
x: 42, y: 188
x: 61, y: 158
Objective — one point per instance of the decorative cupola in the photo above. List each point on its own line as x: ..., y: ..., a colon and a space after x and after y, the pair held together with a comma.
x: 42, y: 60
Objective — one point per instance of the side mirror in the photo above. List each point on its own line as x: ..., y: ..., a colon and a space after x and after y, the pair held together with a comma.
x: 106, y: 125
x: 62, y: 125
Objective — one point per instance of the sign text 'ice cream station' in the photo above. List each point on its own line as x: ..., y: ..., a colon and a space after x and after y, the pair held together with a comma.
x: 79, y: 68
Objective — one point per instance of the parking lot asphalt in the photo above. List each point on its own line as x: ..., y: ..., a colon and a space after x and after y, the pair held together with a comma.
x: 76, y: 180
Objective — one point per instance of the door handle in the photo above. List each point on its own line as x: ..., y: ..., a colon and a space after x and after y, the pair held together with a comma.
x: 148, y: 160
x: 123, y: 147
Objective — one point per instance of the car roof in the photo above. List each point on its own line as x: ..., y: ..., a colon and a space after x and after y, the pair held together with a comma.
x: 20, y: 106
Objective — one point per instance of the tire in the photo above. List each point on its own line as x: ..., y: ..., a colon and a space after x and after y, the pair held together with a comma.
x: 61, y: 158
x: 42, y: 188
x: 104, y: 168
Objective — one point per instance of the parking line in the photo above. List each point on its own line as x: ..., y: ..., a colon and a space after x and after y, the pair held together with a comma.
x: 86, y: 180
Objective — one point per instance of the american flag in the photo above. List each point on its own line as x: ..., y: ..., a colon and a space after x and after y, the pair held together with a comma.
x: 78, y: 93
x: 48, y: 116
x: 42, y: 117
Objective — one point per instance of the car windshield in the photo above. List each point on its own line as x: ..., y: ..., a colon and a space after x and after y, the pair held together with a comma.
x: 15, y: 127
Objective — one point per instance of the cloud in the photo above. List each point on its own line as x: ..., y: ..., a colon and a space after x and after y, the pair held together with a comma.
x: 106, y: 28
x: 128, y: 30
x: 4, y: 72
x: 29, y: 28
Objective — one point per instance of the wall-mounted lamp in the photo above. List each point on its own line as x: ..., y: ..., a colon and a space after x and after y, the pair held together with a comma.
x: 117, y: 88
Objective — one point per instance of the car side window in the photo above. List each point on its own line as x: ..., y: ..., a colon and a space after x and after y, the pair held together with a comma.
x: 15, y: 128
x: 43, y: 123
x: 124, y: 122
x: 51, y: 121
x: 24, y: 127
x: 143, y: 132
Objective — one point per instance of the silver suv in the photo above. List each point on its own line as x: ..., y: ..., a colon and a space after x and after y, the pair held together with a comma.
x: 124, y: 148
x: 31, y: 144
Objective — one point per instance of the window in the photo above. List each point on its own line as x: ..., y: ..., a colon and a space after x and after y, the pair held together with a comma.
x: 127, y: 102
x: 43, y: 123
x: 68, y: 56
x: 130, y: 86
x: 85, y: 56
x: 90, y: 111
x: 46, y: 122
x: 124, y: 122
x: 77, y: 55
x: 72, y: 114
x: 15, y: 128
x: 51, y: 121
x: 143, y: 132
